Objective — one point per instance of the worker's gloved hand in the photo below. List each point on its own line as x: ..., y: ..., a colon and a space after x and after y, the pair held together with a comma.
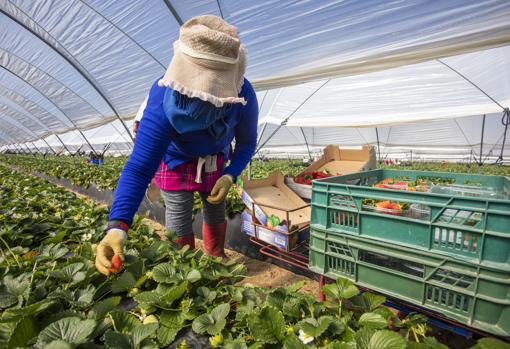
x: 112, y: 244
x: 220, y: 190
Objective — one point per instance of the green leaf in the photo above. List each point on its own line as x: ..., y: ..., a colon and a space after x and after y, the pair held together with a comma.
x: 7, y: 299
x: 142, y: 332
x: 170, y: 323
x: 387, y: 340
x: 164, y: 273
x: 52, y: 252
x: 149, y: 299
x: 385, y: 312
x: 137, y: 267
x: 268, y: 326
x: 212, y: 323
x: 220, y: 312
x: 295, y: 287
x: 16, y: 286
x: 58, y: 344
x: 72, y: 273
x: 204, y: 323
x: 372, y: 320
x: 491, y: 343
x: 363, y: 336
x: 175, y: 292
x: 100, y: 309
x: 340, y: 345
x: 238, y: 343
x: 293, y: 307
x: 72, y: 330
x: 368, y: 301
x: 30, y: 310
x: 205, y: 295
x: 116, y: 340
x: 124, y: 321
x: 341, y: 289
x: 103, y: 325
x: 123, y: 283
x: 315, y: 327
x: 84, y: 297
x: 293, y: 342
x: 25, y: 330
x: 193, y: 276
x: 336, y: 328
x: 6, y: 329
x: 277, y: 298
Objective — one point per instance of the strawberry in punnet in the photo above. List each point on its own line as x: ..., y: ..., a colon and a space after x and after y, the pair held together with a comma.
x: 320, y: 174
x: 307, y: 178
x: 116, y: 264
x: 390, y: 207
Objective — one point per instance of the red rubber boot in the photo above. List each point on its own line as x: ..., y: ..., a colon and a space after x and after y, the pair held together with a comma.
x: 213, y: 236
x: 186, y: 240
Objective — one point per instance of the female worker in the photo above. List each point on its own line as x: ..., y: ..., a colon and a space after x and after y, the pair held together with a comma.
x: 193, y: 114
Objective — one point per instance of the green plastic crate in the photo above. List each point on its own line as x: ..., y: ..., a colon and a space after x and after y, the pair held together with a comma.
x: 470, y: 228
x: 459, y: 290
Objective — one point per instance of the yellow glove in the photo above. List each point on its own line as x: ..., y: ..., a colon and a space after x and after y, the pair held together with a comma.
x: 220, y: 190
x: 112, y: 244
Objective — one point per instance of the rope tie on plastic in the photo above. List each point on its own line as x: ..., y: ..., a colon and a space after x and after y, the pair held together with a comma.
x: 505, y: 120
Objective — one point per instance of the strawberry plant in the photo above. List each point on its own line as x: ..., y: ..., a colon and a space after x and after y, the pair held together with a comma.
x: 51, y: 296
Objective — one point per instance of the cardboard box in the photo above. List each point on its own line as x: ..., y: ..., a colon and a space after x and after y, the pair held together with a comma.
x: 273, y: 203
x: 284, y: 241
x: 336, y: 161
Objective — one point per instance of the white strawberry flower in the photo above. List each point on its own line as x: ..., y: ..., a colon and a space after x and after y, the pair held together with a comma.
x: 86, y: 237
x: 304, y: 337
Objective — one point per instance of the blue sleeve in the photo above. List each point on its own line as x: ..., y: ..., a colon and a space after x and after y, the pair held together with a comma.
x: 245, y: 134
x: 152, y: 141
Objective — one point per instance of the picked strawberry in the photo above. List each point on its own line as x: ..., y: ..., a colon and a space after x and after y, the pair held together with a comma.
x: 116, y: 264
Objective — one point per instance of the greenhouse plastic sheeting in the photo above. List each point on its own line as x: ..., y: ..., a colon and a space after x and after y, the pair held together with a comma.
x: 412, y: 93
x: 456, y: 139
x: 83, y: 63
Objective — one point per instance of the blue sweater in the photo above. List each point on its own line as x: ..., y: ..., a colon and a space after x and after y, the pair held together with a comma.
x: 158, y: 140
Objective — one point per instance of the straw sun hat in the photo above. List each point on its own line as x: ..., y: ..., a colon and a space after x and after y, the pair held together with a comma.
x: 209, y: 61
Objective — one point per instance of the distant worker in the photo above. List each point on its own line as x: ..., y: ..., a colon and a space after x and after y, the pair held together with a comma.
x: 193, y: 113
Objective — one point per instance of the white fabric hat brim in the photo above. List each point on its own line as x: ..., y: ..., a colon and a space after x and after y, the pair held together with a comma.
x: 211, y: 79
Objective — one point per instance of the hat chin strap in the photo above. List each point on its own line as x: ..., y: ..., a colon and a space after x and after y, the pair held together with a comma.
x: 202, y: 55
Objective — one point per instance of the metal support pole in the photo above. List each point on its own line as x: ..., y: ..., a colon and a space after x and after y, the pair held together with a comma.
x: 378, y: 144
x: 19, y: 149
x: 63, y: 144
x: 86, y: 140
x: 173, y: 11
x: 49, y: 146
x: 35, y: 146
x: 306, y: 142
x: 284, y: 122
x: 481, y: 140
x: 26, y: 146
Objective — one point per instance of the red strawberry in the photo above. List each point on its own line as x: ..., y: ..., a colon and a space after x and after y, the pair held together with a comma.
x: 116, y: 264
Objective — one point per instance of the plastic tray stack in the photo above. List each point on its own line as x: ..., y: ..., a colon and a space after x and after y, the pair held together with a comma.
x: 448, y: 252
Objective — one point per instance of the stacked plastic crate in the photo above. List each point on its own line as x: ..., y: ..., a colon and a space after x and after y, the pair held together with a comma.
x: 444, y: 246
